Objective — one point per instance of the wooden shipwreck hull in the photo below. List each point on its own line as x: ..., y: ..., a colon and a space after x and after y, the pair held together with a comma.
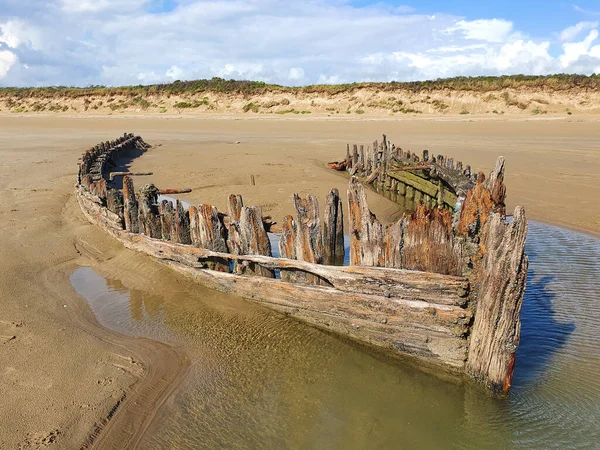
x: 442, y: 287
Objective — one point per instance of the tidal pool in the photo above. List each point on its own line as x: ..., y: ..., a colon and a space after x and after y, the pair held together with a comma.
x: 261, y: 380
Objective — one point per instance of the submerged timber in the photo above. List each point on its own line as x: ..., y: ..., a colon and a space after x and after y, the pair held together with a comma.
x: 443, y: 285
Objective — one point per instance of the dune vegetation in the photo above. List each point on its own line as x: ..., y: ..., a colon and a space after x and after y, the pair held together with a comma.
x: 517, y: 94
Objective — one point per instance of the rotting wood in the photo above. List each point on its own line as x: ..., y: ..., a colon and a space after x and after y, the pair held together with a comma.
x: 174, y: 191
x: 428, y: 242
x: 309, y: 239
x: 167, y: 217
x: 333, y: 229
x: 148, y: 215
x: 427, y: 315
x: 254, y: 241
x: 181, y: 224
x: 496, y: 331
x: 112, y: 175
x: 210, y: 233
x: 287, y: 246
x: 130, y: 206
x: 366, y: 232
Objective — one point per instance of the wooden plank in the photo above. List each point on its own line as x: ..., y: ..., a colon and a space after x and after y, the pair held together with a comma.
x: 416, y: 182
x: 429, y: 244
x: 427, y: 336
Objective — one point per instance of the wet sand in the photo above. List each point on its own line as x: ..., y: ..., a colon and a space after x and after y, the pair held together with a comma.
x: 62, y: 374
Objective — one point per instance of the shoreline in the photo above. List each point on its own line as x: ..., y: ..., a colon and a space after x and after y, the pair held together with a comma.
x: 375, y: 116
x: 164, y: 366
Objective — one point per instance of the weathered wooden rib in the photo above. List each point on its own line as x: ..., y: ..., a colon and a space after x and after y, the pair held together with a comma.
x: 333, y: 229
x: 408, y: 310
x: 458, y: 311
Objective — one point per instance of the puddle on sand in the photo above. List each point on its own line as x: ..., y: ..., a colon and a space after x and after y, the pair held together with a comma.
x: 261, y: 380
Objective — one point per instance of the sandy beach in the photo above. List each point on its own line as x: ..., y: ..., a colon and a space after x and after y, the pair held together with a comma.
x: 68, y: 381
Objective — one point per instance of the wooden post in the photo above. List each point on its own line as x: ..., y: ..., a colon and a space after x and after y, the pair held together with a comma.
x: 366, y: 233
x: 255, y: 240
x: 252, y: 182
x: 348, y: 157
x: 148, y: 215
x: 361, y: 158
x: 384, y: 160
x: 182, y: 224
x: 333, y: 229
x: 130, y: 206
x: 247, y: 236
x: 167, y: 214
x: 309, y: 240
x: 393, y: 244
x: 114, y: 202
x: 209, y: 232
x: 234, y: 241
x: 495, y: 334
x: 287, y: 246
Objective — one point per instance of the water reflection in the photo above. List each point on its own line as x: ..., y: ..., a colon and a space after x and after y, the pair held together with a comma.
x: 262, y: 380
x: 542, y: 335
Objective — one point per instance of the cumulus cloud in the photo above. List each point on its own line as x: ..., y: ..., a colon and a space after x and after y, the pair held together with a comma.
x: 571, y: 33
x: 573, y: 51
x: 494, y: 30
x: 82, y: 42
x: 7, y: 60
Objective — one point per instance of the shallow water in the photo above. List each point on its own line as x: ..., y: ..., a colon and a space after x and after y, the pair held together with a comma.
x: 261, y: 380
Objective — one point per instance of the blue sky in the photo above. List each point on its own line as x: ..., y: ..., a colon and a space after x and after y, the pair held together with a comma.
x: 291, y: 42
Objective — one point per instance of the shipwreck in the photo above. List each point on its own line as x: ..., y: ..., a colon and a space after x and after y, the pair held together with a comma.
x: 442, y: 286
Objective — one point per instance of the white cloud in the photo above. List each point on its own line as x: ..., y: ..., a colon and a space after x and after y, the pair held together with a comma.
x: 14, y: 33
x: 7, y: 60
x: 174, y: 73
x: 81, y: 42
x: 575, y: 50
x: 494, y: 30
x: 571, y: 33
x: 296, y: 73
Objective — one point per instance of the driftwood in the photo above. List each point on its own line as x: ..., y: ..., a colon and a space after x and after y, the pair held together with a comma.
x: 112, y: 175
x: 174, y: 191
